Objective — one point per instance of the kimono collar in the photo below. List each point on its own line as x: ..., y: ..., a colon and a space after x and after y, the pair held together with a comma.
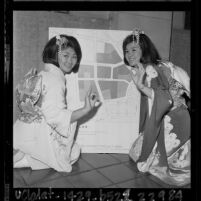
x: 55, y: 70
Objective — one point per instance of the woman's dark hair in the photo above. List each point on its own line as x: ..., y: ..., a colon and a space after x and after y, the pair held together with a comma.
x: 149, y: 52
x: 50, y: 52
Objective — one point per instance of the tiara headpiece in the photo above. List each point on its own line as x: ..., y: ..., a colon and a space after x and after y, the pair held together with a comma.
x: 60, y: 41
x: 136, y: 34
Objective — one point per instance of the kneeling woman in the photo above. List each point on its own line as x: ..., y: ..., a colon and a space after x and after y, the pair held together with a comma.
x: 163, y: 145
x: 44, y: 133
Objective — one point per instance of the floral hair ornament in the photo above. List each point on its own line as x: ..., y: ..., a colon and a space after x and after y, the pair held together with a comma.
x: 61, y: 41
x: 136, y: 34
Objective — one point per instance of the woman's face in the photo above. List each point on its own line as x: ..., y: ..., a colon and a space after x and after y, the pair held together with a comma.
x: 67, y: 60
x: 133, y: 53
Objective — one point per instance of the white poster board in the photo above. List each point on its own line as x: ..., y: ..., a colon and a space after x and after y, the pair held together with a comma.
x: 115, y: 125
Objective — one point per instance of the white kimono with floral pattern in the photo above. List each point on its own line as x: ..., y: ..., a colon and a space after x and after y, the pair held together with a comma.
x: 48, y: 140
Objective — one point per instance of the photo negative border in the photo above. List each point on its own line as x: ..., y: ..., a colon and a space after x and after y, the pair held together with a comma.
x: 11, y: 193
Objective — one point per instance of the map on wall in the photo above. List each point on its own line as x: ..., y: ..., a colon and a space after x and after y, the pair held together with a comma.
x: 114, y: 126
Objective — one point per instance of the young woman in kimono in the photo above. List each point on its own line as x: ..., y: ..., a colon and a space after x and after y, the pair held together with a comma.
x: 163, y: 145
x: 44, y: 133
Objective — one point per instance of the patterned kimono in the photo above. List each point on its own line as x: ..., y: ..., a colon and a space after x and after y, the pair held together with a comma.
x: 163, y: 145
x: 43, y: 132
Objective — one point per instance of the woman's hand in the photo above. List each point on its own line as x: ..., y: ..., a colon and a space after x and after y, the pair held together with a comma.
x: 138, y: 80
x: 137, y: 75
x: 91, y: 101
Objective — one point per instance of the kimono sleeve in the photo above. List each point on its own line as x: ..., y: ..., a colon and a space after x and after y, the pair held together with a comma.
x: 54, y: 105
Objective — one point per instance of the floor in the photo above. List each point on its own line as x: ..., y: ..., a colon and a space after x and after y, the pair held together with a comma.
x: 90, y: 171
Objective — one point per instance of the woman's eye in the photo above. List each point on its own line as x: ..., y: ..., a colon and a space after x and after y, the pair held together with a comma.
x: 127, y: 52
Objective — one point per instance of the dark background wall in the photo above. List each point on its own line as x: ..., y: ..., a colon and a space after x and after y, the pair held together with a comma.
x: 180, y: 49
